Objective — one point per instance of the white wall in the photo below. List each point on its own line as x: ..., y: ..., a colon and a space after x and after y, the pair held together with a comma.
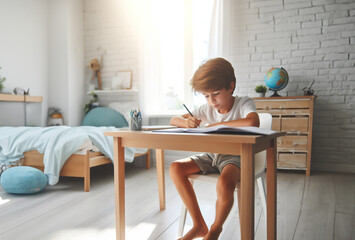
x: 76, y: 65
x: 23, y: 57
x: 58, y: 56
x: 41, y: 48
x: 66, y: 59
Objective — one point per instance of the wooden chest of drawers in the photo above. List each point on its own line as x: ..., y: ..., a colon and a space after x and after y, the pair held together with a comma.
x: 293, y: 115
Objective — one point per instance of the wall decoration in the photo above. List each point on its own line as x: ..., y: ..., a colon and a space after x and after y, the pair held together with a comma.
x: 95, y: 67
x: 122, y: 80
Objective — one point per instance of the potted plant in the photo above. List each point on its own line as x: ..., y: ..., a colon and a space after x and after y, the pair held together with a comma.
x: 94, y: 102
x: 260, y: 90
x: 2, y: 79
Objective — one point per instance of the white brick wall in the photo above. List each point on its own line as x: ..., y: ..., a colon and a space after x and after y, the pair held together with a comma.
x: 311, y: 40
x: 109, y: 33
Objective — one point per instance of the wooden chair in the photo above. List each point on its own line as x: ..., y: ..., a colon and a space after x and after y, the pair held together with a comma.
x: 260, y: 165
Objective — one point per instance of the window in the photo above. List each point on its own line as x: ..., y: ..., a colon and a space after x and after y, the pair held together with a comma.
x: 174, y: 41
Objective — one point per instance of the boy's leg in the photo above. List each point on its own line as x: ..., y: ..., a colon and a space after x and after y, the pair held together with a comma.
x: 179, y: 172
x: 226, y: 184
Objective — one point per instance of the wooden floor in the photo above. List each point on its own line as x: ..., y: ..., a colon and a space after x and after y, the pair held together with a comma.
x: 319, y: 207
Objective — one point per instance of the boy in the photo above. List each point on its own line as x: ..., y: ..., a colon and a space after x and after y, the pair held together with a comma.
x: 215, y: 79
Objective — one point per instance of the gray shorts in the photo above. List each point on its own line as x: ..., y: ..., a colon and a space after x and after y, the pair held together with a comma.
x: 214, y: 163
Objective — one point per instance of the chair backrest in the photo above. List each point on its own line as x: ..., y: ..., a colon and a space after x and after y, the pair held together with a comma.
x: 104, y: 117
x: 260, y: 158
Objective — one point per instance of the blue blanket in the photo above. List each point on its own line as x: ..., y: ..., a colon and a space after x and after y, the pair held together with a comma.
x: 56, y: 143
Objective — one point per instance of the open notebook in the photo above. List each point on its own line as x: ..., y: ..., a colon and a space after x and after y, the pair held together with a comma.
x: 221, y: 129
x: 157, y: 127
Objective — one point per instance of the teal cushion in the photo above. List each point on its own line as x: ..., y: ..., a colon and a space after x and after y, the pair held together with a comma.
x: 104, y: 117
x: 23, y: 180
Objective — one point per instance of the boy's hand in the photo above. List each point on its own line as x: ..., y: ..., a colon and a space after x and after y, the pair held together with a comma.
x: 192, y: 122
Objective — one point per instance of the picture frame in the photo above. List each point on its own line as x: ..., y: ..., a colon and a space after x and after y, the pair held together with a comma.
x: 122, y: 80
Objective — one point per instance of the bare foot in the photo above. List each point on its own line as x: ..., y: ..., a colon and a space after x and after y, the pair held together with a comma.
x: 195, y: 232
x: 213, y: 234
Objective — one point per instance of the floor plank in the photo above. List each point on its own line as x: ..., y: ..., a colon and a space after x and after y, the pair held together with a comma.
x: 290, y: 194
x: 342, y: 223
x: 345, y: 193
x: 317, y: 207
x: 316, y: 220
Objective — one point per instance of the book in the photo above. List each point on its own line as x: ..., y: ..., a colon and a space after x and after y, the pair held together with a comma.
x: 223, y: 129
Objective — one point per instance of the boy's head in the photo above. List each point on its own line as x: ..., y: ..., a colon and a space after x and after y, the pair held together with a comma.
x: 215, y: 74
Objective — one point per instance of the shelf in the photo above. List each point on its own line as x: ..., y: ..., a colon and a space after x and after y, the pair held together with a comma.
x: 19, y: 98
x: 113, y: 92
x: 33, y: 99
x: 11, y: 98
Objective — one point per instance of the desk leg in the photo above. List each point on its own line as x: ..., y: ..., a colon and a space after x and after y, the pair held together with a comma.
x: 247, y: 191
x: 119, y: 173
x: 271, y: 199
x: 161, y: 176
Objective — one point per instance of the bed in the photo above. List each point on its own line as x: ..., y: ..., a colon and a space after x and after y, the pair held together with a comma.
x: 66, y: 151
x: 77, y: 165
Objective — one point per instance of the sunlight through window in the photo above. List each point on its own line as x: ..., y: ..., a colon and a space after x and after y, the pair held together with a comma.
x: 174, y: 38
x: 84, y: 233
x: 141, y: 231
x: 3, y: 201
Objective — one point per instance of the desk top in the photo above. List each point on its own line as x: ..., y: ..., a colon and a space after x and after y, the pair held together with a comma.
x: 218, y: 143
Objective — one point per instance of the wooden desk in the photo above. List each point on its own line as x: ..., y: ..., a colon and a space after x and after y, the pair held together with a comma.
x: 244, y: 145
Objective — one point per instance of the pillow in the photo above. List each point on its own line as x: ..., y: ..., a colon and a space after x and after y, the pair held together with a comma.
x: 23, y: 180
x: 104, y: 117
x: 124, y: 108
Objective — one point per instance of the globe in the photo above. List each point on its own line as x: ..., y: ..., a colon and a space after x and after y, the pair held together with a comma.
x: 276, y: 79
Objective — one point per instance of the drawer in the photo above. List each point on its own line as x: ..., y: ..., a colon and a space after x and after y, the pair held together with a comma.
x: 290, y: 160
x: 276, y: 124
x: 285, y: 112
x: 299, y: 124
x: 281, y: 104
x: 292, y: 142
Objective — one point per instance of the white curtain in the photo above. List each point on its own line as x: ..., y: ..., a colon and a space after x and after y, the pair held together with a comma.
x: 219, y: 44
x: 169, y: 53
x: 161, y: 55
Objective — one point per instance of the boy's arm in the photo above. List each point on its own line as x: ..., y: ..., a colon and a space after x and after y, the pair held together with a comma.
x: 251, y: 120
x: 185, y: 121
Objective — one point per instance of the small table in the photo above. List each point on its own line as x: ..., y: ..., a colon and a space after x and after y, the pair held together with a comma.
x: 244, y: 145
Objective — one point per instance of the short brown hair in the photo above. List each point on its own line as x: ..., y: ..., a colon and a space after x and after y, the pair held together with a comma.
x: 215, y: 74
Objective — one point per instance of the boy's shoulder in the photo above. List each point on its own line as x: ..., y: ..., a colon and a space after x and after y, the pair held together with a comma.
x: 243, y: 99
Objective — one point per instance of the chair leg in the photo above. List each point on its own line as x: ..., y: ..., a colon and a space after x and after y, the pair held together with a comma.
x: 183, y: 215
x: 261, y: 186
x: 239, y: 208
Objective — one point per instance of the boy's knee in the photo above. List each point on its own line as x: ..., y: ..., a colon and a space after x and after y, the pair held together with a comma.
x: 175, y: 169
x: 226, y: 183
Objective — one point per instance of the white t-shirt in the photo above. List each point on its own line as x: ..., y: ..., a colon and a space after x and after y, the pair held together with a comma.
x: 209, y: 115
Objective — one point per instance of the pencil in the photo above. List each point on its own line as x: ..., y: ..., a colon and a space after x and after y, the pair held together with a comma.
x: 187, y: 110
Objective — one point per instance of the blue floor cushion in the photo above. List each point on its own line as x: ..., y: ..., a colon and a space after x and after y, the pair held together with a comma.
x: 23, y: 180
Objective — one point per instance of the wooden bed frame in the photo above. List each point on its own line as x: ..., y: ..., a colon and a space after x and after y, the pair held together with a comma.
x: 77, y: 165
